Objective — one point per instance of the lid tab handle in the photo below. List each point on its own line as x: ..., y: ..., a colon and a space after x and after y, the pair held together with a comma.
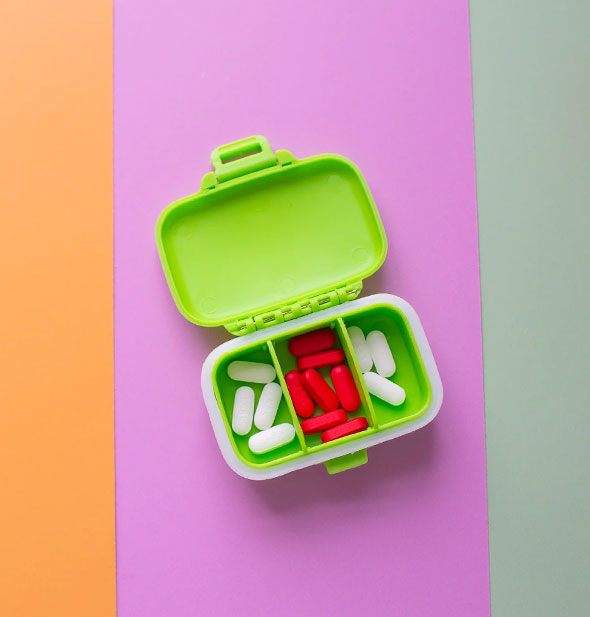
x: 242, y: 157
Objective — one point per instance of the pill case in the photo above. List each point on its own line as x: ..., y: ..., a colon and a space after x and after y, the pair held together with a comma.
x: 272, y: 247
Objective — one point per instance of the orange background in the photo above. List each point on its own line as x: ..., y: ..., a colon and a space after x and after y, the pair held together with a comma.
x: 57, y: 512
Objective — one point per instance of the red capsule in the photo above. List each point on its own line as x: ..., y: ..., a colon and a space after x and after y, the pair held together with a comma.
x: 345, y: 388
x: 355, y: 425
x: 324, y: 421
x: 319, y: 390
x: 302, y: 402
x: 323, y: 358
x: 310, y: 342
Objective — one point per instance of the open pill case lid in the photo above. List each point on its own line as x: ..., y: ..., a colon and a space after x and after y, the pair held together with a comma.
x: 269, y: 238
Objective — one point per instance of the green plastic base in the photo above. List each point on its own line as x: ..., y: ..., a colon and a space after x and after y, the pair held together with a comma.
x: 410, y: 374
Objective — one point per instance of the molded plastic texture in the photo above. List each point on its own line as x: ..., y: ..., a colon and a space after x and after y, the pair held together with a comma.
x: 269, y: 238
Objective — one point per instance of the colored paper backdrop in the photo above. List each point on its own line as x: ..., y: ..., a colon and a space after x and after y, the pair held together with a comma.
x: 390, y: 88
x: 57, y: 538
x: 532, y: 128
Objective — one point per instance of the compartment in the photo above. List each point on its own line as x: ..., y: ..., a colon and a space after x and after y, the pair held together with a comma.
x: 410, y: 373
x: 288, y: 363
x: 225, y: 389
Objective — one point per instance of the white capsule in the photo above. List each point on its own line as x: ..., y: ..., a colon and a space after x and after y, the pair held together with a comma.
x: 381, y: 354
x: 268, y: 405
x: 241, y: 420
x: 254, y: 372
x: 271, y: 438
x: 384, y: 389
x: 361, y: 349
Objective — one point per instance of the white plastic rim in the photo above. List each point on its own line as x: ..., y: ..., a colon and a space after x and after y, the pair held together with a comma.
x: 313, y: 458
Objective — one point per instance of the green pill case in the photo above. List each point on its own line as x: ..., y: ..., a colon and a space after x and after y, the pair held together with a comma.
x: 272, y: 247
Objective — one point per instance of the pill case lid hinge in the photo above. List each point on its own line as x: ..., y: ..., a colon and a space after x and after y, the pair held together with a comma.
x: 296, y: 309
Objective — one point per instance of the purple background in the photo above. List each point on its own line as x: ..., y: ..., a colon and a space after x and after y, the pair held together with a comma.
x: 388, y: 85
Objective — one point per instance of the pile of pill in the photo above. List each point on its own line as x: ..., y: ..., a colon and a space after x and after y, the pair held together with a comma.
x: 262, y: 415
x: 374, y: 350
x: 307, y: 388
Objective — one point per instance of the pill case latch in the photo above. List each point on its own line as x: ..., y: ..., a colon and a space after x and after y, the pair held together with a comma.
x: 295, y: 310
x: 348, y: 461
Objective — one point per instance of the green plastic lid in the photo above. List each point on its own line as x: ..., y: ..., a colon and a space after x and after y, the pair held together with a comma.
x: 269, y: 238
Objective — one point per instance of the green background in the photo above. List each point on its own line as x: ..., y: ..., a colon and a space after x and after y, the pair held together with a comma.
x: 531, y: 88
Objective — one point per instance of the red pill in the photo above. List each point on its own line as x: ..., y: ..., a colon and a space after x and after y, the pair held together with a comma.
x: 348, y: 428
x: 323, y: 358
x: 302, y: 402
x: 310, y: 342
x: 319, y: 390
x: 345, y: 388
x: 324, y: 421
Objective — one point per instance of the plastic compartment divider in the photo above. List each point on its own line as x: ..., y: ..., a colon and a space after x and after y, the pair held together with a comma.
x: 357, y: 374
x: 281, y: 378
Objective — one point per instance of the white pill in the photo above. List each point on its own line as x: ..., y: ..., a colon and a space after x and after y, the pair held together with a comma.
x: 381, y: 354
x: 254, y: 372
x: 361, y: 349
x: 268, y: 405
x: 241, y: 420
x: 384, y: 389
x: 271, y: 438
